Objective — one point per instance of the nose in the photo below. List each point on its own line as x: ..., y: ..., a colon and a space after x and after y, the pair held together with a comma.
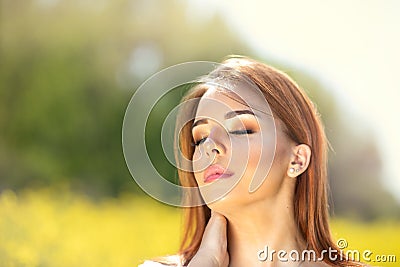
x: 214, y: 144
x: 211, y: 148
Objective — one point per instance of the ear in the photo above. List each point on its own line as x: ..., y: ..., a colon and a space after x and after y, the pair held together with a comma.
x: 299, y: 160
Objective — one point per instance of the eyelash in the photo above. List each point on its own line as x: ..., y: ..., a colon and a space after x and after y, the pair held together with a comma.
x: 199, y: 142
x: 233, y: 132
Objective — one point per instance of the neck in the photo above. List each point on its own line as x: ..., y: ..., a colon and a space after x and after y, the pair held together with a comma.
x: 257, y: 232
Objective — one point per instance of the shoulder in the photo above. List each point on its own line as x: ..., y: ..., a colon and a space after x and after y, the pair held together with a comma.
x: 168, y: 261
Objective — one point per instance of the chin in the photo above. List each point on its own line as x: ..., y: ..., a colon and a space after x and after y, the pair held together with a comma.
x: 231, y: 202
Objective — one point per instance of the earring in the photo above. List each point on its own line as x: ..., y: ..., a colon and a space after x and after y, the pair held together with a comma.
x: 291, y: 170
x: 297, y: 170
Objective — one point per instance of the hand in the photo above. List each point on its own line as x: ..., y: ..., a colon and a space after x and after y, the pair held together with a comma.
x: 213, y: 250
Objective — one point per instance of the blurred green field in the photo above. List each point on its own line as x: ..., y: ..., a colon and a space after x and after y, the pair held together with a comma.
x: 58, y: 228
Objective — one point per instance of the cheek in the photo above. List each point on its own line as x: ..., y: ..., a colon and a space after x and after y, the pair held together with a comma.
x: 197, y: 176
x: 255, y: 154
x: 244, y: 163
x: 257, y: 168
x: 280, y: 163
x: 198, y: 165
x: 261, y: 154
x: 195, y: 160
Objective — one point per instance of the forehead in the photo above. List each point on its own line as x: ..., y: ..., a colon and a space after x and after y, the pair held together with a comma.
x: 218, y: 101
x: 215, y: 102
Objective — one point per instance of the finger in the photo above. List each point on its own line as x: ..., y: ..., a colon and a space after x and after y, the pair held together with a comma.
x: 215, y: 232
x: 213, y: 247
x: 216, y: 225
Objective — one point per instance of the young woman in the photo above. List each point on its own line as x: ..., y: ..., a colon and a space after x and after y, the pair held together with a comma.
x: 259, y: 158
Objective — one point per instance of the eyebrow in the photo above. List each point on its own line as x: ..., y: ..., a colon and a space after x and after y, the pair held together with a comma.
x: 228, y: 115
x: 199, y: 122
x: 234, y: 113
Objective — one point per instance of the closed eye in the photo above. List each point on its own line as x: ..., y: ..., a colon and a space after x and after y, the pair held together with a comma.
x: 197, y: 143
x: 238, y: 132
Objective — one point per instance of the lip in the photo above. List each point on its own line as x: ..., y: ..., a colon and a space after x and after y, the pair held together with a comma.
x: 215, y: 172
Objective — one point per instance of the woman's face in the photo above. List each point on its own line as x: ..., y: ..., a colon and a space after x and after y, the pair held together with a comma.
x: 241, y: 153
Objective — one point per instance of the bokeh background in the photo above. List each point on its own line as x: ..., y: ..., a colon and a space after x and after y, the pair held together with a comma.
x: 68, y: 69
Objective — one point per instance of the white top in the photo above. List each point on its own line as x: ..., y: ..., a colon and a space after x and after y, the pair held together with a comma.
x: 174, y: 259
x: 152, y: 264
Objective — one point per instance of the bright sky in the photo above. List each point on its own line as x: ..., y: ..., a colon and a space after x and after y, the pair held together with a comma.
x: 351, y: 46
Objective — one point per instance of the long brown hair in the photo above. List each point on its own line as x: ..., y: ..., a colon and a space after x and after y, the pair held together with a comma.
x: 291, y: 105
